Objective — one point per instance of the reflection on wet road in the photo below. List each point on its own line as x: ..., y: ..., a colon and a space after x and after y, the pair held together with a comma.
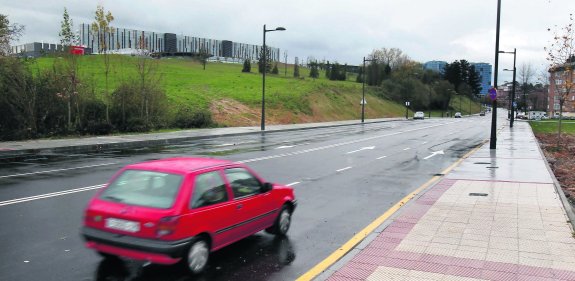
x: 254, y: 258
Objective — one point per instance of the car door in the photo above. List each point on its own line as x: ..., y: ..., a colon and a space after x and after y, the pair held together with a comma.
x: 211, y: 209
x: 256, y: 207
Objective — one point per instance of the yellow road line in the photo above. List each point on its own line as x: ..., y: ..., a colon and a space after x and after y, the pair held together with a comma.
x: 356, y: 239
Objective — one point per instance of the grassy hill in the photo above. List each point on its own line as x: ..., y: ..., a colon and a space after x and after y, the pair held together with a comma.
x: 234, y: 97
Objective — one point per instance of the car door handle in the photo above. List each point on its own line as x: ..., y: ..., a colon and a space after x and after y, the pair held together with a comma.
x: 239, y: 206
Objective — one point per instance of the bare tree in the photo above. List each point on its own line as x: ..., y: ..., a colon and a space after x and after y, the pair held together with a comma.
x: 68, y: 39
x: 561, y: 58
x: 147, y: 69
x: 285, y: 63
x: 8, y: 33
x: 393, y: 57
x: 525, y: 74
x: 102, y: 29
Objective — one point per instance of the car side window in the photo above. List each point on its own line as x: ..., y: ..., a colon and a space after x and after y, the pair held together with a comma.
x: 209, y: 189
x: 243, y: 183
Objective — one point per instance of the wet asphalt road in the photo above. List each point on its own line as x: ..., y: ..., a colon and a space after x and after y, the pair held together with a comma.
x: 344, y: 178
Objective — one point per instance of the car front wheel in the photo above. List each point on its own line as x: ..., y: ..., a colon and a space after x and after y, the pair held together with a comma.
x: 283, y: 222
x: 198, y: 255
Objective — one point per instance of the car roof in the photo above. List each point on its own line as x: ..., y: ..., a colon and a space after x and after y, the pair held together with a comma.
x: 179, y: 164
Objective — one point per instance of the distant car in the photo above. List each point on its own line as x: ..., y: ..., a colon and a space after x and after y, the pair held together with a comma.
x: 181, y: 209
x: 482, y: 113
x: 457, y: 115
x: 418, y: 115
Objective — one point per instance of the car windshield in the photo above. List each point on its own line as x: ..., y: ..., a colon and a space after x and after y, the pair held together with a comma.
x: 144, y: 188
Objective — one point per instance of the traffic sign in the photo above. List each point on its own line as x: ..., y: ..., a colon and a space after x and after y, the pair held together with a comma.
x: 492, y: 93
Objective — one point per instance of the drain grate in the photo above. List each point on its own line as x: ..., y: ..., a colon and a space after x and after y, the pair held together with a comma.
x: 482, y: 163
x: 492, y: 167
x: 477, y: 194
x: 439, y: 175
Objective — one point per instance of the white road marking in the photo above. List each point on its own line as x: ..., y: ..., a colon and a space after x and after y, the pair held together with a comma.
x: 58, y: 170
x: 381, y: 157
x: 70, y: 191
x: 363, y: 148
x: 433, y: 154
x: 224, y: 144
x: 284, y: 146
x: 293, y: 183
x: 406, y: 149
x: 341, y: 170
x: 424, y: 142
x: 340, y: 144
x: 48, y: 195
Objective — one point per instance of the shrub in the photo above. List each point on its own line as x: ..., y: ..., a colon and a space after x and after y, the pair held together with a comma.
x: 188, y: 118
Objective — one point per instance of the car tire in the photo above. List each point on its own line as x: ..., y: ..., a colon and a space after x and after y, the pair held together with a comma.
x: 196, y: 260
x: 282, y: 223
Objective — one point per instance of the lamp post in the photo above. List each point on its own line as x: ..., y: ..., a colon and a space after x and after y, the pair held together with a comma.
x: 493, y: 138
x: 363, y: 90
x: 264, y: 63
x: 512, y: 118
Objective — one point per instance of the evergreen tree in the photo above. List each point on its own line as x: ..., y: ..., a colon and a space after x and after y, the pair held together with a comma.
x: 247, y: 66
x: 268, y: 66
x: 275, y: 70
x: 296, y: 68
x: 474, y: 81
x: 314, y: 71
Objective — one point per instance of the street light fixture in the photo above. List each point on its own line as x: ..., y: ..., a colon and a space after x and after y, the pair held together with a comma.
x: 363, y: 90
x: 264, y: 63
x: 512, y: 118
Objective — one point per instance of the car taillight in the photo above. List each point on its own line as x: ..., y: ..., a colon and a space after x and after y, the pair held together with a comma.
x: 167, y: 226
x: 91, y: 217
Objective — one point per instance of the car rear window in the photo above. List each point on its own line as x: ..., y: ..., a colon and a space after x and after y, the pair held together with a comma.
x: 144, y: 188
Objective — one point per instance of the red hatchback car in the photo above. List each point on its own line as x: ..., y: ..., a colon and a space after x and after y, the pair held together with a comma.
x: 181, y: 209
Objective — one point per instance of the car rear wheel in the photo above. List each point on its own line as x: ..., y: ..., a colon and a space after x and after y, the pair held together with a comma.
x: 283, y: 222
x: 198, y: 255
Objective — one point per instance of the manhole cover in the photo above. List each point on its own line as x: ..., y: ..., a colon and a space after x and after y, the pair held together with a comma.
x: 477, y: 194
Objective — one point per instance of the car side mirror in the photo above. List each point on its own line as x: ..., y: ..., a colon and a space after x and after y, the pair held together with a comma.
x: 267, y: 187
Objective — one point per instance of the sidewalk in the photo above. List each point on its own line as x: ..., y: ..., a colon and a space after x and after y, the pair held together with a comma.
x: 496, y: 216
x: 94, y: 144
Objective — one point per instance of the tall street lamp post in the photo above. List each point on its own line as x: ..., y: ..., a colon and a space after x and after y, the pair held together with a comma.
x: 512, y: 118
x: 363, y: 90
x: 493, y: 138
x: 264, y: 63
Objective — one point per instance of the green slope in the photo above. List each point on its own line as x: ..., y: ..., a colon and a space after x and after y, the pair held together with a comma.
x: 288, y: 99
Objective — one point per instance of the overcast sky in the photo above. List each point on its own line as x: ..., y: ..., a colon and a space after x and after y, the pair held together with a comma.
x: 343, y: 31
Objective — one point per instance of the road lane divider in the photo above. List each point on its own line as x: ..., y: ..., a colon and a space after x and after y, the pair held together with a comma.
x: 58, y: 170
x: 343, y: 169
x: 293, y: 183
x: 379, y: 158
x: 48, y: 195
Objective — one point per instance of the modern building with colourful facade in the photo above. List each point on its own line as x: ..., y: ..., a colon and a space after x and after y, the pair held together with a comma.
x: 167, y: 43
x: 484, y: 70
